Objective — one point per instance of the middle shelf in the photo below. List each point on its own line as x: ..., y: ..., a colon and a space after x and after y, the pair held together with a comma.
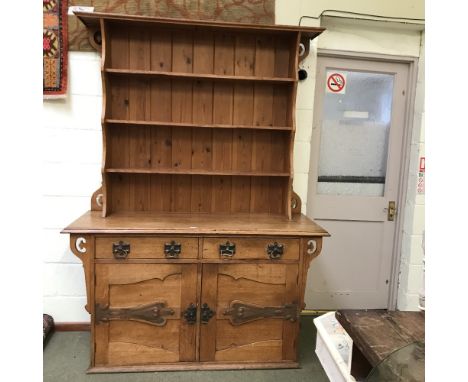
x: 199, y: 76
x: 196, y: 151
x: 172, y: 170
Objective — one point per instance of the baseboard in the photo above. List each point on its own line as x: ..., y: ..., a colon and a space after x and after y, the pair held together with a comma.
x: 72, y: 326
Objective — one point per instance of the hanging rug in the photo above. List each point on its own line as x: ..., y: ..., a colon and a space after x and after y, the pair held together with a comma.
x: 55, y: 47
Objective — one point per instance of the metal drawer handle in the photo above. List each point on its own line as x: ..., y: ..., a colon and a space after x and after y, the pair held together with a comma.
x: 206, y: 313
x: 172, y: 250
x: 190, y: 314
x: 121, y: 250
x: 227, y: 250
x: 275, y: 250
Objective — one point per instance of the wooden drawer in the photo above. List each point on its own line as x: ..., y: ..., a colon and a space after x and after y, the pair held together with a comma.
x: 147, y: 247
x: 250, y: 248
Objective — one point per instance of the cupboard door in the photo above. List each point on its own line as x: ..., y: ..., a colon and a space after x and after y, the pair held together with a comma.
x: 139, y: 312
x: 255, y: 312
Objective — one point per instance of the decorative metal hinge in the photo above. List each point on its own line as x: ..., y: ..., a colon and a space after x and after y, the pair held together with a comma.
x: 190, y: 314
x: 120, y: 250
x: 172, y: 250
x: 206, y: 313
x: 228, y: 249
x: 275, y: 250
x: 240, y: 312
x: 154, y: 314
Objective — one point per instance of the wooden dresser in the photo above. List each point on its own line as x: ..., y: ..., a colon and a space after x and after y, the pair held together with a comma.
x: 195, y: 251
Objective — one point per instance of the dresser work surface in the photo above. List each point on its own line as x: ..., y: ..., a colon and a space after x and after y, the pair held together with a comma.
x: 246, y: 224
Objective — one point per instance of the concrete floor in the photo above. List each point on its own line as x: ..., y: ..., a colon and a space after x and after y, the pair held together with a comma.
x: 66, y: 358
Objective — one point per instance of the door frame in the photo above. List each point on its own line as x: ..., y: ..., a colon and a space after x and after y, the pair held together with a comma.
x: 412, y: 63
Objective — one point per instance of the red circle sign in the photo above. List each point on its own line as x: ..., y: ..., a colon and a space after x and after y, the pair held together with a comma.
x: 336, y: 82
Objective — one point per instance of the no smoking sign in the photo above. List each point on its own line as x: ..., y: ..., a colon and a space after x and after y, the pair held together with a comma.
x: 336, y: 82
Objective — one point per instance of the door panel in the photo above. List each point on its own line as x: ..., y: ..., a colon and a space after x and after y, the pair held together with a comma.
x: 232, y: 334
x: 356, y: 159
x: 138, y: 313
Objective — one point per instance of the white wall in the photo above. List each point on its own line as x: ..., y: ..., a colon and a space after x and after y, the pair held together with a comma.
x: 72, y: 172
x: 411, y: 267
x: 73, y: 155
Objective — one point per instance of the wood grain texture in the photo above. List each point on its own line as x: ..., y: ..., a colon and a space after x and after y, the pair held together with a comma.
x: 251, y: 248
x: 185, y: 366
x: 378, y: 333
x: 124, y: 342
x: 196, y: 224
x: 146, y: 247
x: 82, y: 247
x: 173, y: 96
x: 209, y: 296
x: 198, y: 125
x: 290, y: 333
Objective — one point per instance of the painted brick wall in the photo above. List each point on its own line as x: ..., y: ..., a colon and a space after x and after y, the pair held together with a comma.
x: 411, y: 267
x: 72, y: 165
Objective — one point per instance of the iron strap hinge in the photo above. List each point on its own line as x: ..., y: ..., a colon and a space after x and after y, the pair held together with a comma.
x: 240, y: 313
x: 154, y: 314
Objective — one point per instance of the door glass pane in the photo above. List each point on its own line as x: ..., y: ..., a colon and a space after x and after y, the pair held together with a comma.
x: 355, y: 129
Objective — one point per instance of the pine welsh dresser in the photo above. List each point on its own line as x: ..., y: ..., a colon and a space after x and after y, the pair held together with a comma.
x: 195, y: 251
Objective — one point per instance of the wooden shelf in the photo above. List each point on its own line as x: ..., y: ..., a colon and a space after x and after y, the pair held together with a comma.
x: 92, y: 19
x: 195, y: 76
x: 190, y: 223
x: 195, y: 125
x: 175, y: 171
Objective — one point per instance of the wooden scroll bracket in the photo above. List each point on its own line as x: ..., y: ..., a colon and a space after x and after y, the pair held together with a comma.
x: 304, y: 48
x: 312, y: 248
x: 95, y: 37
x: 97, y: 200
x: 82, y: 247
x: 296, y: 203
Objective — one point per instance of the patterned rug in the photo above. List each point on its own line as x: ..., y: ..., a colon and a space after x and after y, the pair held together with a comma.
x: 54, y: 41
x: 245, y: 11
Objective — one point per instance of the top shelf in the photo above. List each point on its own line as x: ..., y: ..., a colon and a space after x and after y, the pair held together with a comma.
x: 92, y: 19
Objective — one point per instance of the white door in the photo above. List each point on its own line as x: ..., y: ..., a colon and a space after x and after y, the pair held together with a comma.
x: 356, y: 159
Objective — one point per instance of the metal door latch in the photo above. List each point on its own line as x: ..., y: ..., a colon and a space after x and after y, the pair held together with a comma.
x: 391, y: 211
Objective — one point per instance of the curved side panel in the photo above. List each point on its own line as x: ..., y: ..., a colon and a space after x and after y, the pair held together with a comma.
x: 82, y: 247
x: 105, y: 51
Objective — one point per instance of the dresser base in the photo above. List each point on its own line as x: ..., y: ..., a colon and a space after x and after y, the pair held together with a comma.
x: 187, y: 366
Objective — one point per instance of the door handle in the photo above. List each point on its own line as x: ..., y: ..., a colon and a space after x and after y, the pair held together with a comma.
x: 391, y: 211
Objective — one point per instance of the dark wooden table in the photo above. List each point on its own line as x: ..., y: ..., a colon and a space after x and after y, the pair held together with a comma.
x: 378, y: 333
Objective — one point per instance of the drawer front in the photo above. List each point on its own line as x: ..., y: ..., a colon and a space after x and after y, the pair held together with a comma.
x: 131, y: 247
x: 250, y: 248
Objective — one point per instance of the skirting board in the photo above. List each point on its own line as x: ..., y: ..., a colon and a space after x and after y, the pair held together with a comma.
x: 72, y: 327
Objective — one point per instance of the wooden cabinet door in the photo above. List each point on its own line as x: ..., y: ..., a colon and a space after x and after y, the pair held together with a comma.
x: 256, y: 312
x: 139, y: 313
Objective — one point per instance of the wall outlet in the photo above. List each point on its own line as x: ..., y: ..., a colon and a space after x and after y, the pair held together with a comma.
x: 79, y: 8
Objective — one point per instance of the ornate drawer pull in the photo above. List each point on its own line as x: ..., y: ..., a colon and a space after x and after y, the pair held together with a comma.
x: 121, y: 250
x: 154, y: 314
x: 240, y: 312
x: 228, y: 249
x: 206, y: 313
x: 190, y: 314
x: 275, y: 250
x: 172, y: 250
